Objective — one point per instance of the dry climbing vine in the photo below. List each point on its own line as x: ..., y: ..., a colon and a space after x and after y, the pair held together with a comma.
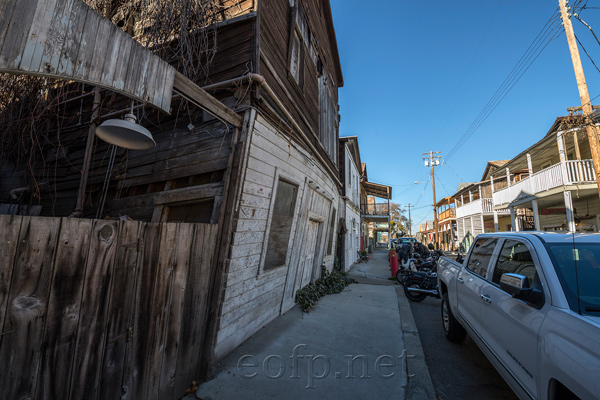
x: 33, y: 120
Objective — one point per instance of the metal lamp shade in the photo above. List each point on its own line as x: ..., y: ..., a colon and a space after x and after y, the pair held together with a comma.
x: 125, y: 133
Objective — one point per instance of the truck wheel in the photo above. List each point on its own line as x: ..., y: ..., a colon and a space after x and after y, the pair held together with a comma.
x: 452, y: 328
x: 413, y: 296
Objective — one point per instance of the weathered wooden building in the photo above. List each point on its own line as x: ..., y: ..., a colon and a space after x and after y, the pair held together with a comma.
x: 266, y: 180
x: 350, y: 239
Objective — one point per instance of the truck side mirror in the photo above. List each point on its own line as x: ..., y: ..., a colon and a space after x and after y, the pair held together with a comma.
x: 517, y: 286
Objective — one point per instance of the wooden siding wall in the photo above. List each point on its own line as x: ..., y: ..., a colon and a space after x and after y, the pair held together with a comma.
x: 182, y: 158
x: 253, y: 297
x: 235, y: 50
x: 303, y: 103
x: 58, y: 39
x: 94, y: 309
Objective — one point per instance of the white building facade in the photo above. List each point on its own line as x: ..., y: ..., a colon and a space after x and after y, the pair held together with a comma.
x: 351, y: 175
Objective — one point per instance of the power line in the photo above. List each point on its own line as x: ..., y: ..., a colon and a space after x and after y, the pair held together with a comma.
x: 462, y: 79
x: 549, y: 32
x: 445, y: 162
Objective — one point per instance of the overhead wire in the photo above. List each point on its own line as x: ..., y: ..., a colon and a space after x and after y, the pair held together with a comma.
x: 549, y: 32
x: 462, y: 79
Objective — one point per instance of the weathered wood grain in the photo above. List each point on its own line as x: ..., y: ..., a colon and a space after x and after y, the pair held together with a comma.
x: 158, y: 314
x: 94, y: 309
x: 48, y: 38
x: 178, y: 285
x: 87, y: 364
x: 6, y: 12
x: 56, y: 37
x: 64, y: 307
x: 9, y: 235
x: 196, y: 95
x: 137, y: 351
x: 27, y: 308
x: 16, y: 35
x: 76, y: 22
x: 119, y: 330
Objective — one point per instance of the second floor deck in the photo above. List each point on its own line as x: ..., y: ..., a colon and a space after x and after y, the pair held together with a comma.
x: 447, y: 214
x: 483, y: 206
x: 375, y: 209
x: 567, y: 173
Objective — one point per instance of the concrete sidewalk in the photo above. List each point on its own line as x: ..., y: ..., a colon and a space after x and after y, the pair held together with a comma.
x: 350, y: 346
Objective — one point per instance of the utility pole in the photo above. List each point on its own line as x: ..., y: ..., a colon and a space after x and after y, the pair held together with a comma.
x: 432, y: 161
x: 586, y: 104
x: 409, y: 221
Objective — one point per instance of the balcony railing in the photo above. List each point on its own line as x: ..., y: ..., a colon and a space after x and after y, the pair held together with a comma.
x: 569, y: 173
x: 479, y: 206
x: 380, y: 209
x: 450, y: 213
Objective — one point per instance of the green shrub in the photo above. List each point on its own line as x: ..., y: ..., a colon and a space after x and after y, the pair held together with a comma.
x: 328, y: 283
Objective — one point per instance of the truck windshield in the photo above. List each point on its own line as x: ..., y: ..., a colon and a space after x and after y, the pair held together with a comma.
x: 578, y: 268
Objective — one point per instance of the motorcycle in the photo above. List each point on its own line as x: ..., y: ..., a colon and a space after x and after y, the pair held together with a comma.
x: 406, y: 265
x: 414, y: 263
x: 420, y: 284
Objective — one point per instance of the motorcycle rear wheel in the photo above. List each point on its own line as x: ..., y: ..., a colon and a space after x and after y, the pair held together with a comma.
x: 414, y: 296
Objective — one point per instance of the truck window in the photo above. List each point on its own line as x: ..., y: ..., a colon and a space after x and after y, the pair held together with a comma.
x: 515, y: 258
x: 578, y: 268
x: 479, y: 259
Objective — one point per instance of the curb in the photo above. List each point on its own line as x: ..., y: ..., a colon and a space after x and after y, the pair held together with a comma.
x: 419, y: 384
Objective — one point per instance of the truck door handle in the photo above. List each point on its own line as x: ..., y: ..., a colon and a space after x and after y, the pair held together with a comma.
x: 486, y: 298
x: 460, y: 280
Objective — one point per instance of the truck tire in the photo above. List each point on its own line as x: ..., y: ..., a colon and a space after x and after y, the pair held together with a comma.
x: 413, y: 296
x: 452, y: 328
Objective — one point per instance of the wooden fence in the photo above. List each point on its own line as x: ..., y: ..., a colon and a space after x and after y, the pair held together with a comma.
x: 96, y: 309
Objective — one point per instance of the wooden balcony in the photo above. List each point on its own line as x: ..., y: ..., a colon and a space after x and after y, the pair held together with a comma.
x: 446, y: 214
x: 563, y: 174
x: 376, y: 209
x: 480, y: 206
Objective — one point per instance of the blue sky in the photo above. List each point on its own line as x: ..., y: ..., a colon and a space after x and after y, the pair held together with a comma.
x: 418, y: 74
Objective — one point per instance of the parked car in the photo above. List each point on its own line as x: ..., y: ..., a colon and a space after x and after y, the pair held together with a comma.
x: 409, y: 240
x: 531, y: 302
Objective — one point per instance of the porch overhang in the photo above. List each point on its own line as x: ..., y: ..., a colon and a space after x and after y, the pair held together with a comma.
x: 583, y: 190
x: 377, y: 190
x: 376, y: 218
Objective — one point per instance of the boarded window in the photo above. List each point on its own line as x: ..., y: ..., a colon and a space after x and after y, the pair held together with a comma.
x: 281, y: 224
x: 331, y: 232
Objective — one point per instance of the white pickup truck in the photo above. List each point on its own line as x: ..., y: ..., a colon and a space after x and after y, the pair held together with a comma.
x: 531, y: 302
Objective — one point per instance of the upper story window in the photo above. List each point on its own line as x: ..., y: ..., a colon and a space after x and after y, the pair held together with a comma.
x: 301, y: 40
x: 295, y: 57
x: 328, y: 117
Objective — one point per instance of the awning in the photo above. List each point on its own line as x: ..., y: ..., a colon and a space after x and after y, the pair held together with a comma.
x: 377, y: 190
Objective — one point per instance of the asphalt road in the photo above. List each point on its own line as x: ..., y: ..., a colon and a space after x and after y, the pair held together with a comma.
x: 458, y: 371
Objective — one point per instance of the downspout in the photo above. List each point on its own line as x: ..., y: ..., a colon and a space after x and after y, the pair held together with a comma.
x: 252, y: 77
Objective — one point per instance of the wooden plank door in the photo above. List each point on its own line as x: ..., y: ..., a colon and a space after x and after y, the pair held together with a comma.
x: 309, y: 252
